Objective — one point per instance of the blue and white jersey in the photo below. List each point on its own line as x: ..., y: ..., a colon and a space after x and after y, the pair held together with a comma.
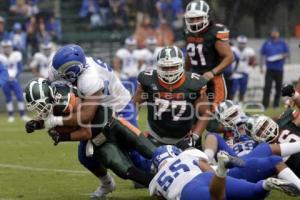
x: 41, y: 62
x: 149, y: 58
x: 13, y: 64
x: 130, y: 63
x: 243, y: 146
x: 244, y: 59
x: 175, y: 173
x: 98, y: 76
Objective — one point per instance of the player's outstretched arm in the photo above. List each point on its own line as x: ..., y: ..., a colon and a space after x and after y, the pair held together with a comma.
x: 83, y: 133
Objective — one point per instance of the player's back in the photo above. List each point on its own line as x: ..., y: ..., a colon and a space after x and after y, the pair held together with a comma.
x: 175, y: 174
x: 99, y: 76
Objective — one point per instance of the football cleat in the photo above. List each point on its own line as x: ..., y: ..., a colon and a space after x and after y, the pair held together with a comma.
x: 103, y: 190
x: 283, y: 186
x: 10, y: 119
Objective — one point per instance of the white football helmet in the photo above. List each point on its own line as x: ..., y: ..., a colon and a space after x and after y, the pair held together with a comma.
x: 230, y: 114
x: 170, y: 64
x: 262, y: 128
x: 197, y: 9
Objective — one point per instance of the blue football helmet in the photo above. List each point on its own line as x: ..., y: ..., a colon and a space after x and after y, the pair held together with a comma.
x: 162, y: 153
x: 69, y: 61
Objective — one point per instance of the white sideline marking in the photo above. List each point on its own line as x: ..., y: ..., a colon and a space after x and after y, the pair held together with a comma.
x: 21, y: 167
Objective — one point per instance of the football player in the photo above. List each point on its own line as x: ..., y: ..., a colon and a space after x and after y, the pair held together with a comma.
x: 149, y: 54
x: 12, y: 60
x: 187, y: 176
x: 173, y: 98
x: 208, y: 49
x: 111, y: 137
x: 41, y: 60
x: 240, y: 74
x: 3, y: 75
x: 262, y: 129
x: 97, y: 83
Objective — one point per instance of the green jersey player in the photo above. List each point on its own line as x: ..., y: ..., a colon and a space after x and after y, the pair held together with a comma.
x: 176, y: 100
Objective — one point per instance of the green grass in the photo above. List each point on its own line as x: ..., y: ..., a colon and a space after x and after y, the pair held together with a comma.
x: 20, y: 153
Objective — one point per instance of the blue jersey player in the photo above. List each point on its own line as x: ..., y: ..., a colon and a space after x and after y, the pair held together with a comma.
x: 262, y: 159
x: 12, y: 61
x: 187, y: 176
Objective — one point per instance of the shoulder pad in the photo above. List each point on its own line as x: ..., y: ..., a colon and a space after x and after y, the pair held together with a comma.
x: 196, y: 81
x: 145, y: 78
x: 221, y: 32
x: 17, y: 56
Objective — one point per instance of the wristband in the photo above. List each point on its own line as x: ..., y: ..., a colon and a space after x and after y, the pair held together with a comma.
x: 58, y: 121
x: 212, y: 71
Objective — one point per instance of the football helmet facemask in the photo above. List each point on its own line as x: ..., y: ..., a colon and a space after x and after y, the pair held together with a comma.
x: 38, y: 97
x: 262, y: 128
x: 170, y: 64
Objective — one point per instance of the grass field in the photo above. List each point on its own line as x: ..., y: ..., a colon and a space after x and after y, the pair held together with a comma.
x: 31, y: 168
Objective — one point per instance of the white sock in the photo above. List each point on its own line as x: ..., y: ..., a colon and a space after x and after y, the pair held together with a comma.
x: 21, y: 105
x: 289, y: 175
x: 105, y: 180
x: 210, y: 154
x: 10, y: 107
x: 288, y: 149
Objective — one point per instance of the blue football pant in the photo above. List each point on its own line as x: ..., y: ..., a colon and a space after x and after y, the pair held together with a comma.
x: 235, y: 189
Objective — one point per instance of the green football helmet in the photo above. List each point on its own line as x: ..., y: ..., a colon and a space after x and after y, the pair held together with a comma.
x: 170, y: 64
x: 44, y: 98
x: 262, y: 128
x: 38, y: 96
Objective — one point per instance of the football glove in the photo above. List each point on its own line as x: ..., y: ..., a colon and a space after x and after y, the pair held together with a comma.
x: 54, y: 134
x: 288, y: 90
x: 33, y: 125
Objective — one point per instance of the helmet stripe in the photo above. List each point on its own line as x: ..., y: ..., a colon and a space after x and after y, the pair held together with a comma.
x: 31, y: 89
x: 40, y: 84
x: 199, y: 5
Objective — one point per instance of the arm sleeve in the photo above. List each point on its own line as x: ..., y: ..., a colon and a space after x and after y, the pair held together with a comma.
x: 3, y: 75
